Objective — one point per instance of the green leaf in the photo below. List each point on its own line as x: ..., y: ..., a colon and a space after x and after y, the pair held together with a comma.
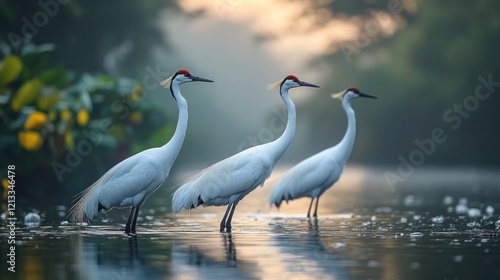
x: 48, y: 101
x: 27, y: 94
x: 10, y: 69
x: 56, y: 77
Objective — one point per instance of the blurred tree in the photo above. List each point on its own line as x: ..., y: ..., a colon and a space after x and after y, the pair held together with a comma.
x: 57, y: 126
x: 96, y: 36
x: 422, y: 76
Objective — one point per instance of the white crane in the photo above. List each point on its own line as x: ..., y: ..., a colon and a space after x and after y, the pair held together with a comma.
x: 230, y: 180
x: 130, y: 182
x: 314, y: 175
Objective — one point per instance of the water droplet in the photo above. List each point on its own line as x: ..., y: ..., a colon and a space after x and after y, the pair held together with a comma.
x: 438, y: 219
x: 458, y: 258
x: 32, y: 220
x: 339, y: 245
x: 474, y: 213
x: 373, y: 218
x: 403, y: 220
x: 473, y: 224
x: 461, y: 209
x: 490, y: 210
x: 416, y: 234
x: 384, y: 210
x: 409, y: 200
x: 61, y: 208
x: 448, y: 200
x: 463, y: 201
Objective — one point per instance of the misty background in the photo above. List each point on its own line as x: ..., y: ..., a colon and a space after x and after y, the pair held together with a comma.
x: 424, y: 61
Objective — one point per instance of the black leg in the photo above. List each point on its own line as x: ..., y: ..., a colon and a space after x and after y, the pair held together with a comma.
x: 230, y: 218
x: 223, y: 222
x: 316, y: 208
x: 310, y: 205
x: 134, y: 221
x: 129, y: 221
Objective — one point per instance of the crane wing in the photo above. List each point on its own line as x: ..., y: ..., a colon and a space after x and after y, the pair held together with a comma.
x: 306, y: 178
x: 123, y: 185
x: 129, y: 187
x: 225, y: 181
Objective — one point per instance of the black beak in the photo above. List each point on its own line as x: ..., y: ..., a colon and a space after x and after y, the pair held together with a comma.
x: 199, y: 79
x: 366, y: 95
x: 305, y: 84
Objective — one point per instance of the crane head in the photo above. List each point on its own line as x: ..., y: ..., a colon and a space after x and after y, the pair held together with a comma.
x: 351, y: 93
x: 289, y: 82
x: 182, y: 76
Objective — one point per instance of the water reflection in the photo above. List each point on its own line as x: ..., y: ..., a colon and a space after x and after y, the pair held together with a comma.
x: 302, y: 248
x: 118, y: 257
x: 211, y: 256
x: 413, y: 233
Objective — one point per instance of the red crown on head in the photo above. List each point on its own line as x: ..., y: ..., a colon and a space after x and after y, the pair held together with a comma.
x: 291, y: 77
x: 184, y: 72
x: 353, y: 89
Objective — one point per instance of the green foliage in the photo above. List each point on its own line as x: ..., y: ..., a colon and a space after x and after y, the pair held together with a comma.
x: 423, y: 72
x: 49, y: 115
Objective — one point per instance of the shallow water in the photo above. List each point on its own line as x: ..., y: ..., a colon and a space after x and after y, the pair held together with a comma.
x: 439, y: 224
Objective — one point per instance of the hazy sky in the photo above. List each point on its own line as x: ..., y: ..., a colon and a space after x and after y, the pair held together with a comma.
x: 243, y: 46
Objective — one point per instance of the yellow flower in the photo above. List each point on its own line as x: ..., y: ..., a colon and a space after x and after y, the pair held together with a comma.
x: 5, y: 185
x: 136, y: 94
x: 27, y: 94
x: 82, y: 117
x: 30, y: 140
x: 35, y: 120
x: 136, y: 116
x: 65, y: 114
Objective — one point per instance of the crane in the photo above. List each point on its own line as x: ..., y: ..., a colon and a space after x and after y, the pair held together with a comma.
x: 228, y: 181
x: 314, y: 175
x: 130, y: 182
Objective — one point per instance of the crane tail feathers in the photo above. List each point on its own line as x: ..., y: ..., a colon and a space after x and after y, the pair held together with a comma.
x: 187, y: 197
x: 87, y: 204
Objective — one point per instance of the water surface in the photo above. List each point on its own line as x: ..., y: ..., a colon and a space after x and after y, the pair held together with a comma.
x: 439, y: 224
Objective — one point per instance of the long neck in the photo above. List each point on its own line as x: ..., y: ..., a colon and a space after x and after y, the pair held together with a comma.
x: 171, y: 149
x: 280, y: 145
x: 347, y: 142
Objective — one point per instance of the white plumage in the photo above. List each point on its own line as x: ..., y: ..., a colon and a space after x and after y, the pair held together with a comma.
x: 314, y: 175
x: 130, y: 182
x: 230, y: 180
